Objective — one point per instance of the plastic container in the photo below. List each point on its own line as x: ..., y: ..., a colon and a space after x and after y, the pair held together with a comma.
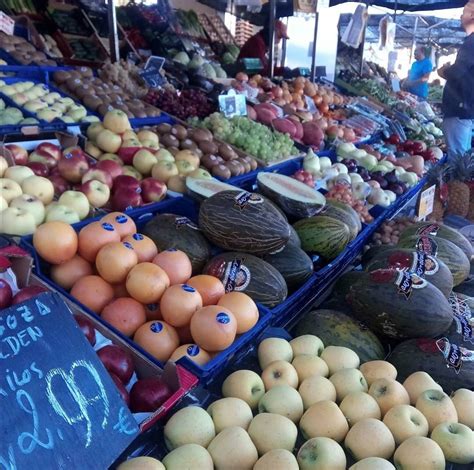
x: 184, y: 207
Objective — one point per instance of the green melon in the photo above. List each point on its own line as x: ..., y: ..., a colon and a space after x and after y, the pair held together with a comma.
x: 242, y: 272
x: 323, y: 235
x: 439, y: 231
x: 399, y: 305
x: 442, y: 249
x: 337, y: 329
x: 243, y: 222
x: 344, y: 213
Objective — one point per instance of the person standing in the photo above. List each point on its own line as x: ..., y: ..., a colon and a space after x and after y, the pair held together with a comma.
x: 458, y: 96
x: 417, y: 81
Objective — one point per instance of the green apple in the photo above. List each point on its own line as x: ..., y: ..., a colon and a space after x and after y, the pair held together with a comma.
x: 143, y: 161
x: 307, y: 365
x: 229, y: 412
x: 437, y: 408
x: 77, y: 201
x: 3, y: 166
x: 190, y: 425
x: 316, y: 388
x: 279, y: 373
x: 164, y: 155
x: 419, y: 452
x: 131, y: 171
x: 274, y: 349
x: 357, y: 406
x: 307, y: 344
x: 456, y: 441
x: 340, y: 357
x: 60, y: 212
x: 233, y: 448
x: 372, y: 463
x: 94, y: 130
x: 373, y: 370
x: 417, y: 383
x: 188, y: 456
x: 200, y: 174
x: 347, y: 381
x: 270, y: 431
x: 40, y: 187
x: 246, y: 385
x: 15, y: 221
x: 321, y: 453
x: 18, y: 173
x: 405, y: 421
x: 3, y: 203
x: 48, y: 115
x: 282, y: 400
x: 463, y: 400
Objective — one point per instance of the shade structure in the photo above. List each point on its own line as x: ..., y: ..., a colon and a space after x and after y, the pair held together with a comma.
x: 412, y: 5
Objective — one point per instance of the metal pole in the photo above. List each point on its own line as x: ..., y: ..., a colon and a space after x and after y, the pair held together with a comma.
x: 272, y: 36
x: 113, y: 34
x: 313, y: 54
x: 413, y: 42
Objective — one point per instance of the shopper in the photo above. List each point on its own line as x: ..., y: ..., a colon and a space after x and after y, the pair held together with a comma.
x: 417, y: 81
x: 258, y: 46
x: 458, y: 97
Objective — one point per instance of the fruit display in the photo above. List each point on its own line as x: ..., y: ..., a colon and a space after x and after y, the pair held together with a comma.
x: 44, y: 103
x: 307, y: 404
x: 126, y: 76
x: 186, y: 104
x: 148, y: 296
x: 200, y: 65
x: 12, y: 116
x: 256, y: 139
x: 23, y: 52
x: 101, y: 96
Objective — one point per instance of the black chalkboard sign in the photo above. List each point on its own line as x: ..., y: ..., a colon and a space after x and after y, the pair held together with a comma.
x: 59, y: 408
x: 151, y: 73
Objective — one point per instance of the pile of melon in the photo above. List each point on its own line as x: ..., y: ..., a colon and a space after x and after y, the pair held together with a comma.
x: 315, y: 408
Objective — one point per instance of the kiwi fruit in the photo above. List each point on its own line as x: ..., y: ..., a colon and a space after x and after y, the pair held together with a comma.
x: 164, y: 128
x: 169, y: 140
x: 179, y: 131
x: 227, y: 152
x: 235, y: 167
x: 200, y: 135
x: 209, y: 161
x: 188, y: 144
x: 173, y: 150
x: 246, y: 165
x: 103, y: 109
x: 208, y: 146
x: 221, y: 171
x: 92, y: 102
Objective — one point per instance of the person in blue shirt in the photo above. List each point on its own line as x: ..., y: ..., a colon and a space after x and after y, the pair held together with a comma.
x: 417, y: 81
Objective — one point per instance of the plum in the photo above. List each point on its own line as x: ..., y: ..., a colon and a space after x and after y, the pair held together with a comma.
x: 121, y: 388
x: 117, y: 361
x: 87, y: 328
x: 148, y: 394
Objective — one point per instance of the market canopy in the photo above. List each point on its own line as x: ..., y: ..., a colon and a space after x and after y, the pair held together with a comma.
x: 412, y: 5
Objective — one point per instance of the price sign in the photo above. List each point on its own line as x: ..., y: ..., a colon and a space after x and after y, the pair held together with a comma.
x: 7, y: 25
x: 152, y: 71
x: 233, y: 104
x: 310, y: 104
x: 425, y: 203
x: 59, y: 407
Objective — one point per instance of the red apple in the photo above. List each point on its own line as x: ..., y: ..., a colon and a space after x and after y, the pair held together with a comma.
x: 153, y: 190
x: 39, y: 169
x: 117, y: 361
x: 121, y: 388
x: 44, y: 158
x: 111, y: 167
x: 99, y: 175
x: 49, y: 149
x: 126, y: 198
x: 59, y: 183
x: 6, y: 294
x: 28, y: 293
x: 86, y: 327
x: 72, y: 166
x: 20, y: 155
x: 147, y: 395
x: 125, y: 181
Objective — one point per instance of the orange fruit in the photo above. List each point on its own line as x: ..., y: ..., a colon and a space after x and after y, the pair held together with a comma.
x: 213, y: 328
x: 55, y: 242
x: 210, y: 288
x: 93, y: 292
x: 146, y: 283
x: 244, y: 309
x: 144, y: 246
x: 115, y: 260
x: 193, y: 352
x: 157, y: 338
x: 176, y: 264
x: 179, y: 303
x: 69, y: 272
x: 122, y: 223
x: 94, y: 236
x: 125, y: 314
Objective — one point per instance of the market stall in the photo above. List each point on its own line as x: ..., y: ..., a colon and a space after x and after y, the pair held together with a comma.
x: 218, y: 273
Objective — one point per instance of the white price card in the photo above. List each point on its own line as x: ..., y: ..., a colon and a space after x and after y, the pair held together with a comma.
x: 426, y: 201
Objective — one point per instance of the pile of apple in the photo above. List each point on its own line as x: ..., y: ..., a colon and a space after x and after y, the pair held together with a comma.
x: 46, y: 105
x: 143, y: 395
x: 430, y: 154
x: 10, y: 296
x: 144, y: 294
x: 334, y: 404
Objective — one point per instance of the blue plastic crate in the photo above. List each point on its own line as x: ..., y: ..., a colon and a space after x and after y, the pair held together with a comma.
x: 184, y: 207
x: 31, y: 72
x: 152, y: 121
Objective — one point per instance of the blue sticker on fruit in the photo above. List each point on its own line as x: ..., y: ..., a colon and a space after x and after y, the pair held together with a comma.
x: 156, y: 327
x: 171, y: 249
x: 121, y: 219
x: 193, y: 350
x: 223, y: 318
x: 108, y: 227
x: 188, y: 288
x: 152, y: 307
x: 138, y: 236
x: 128, y: 245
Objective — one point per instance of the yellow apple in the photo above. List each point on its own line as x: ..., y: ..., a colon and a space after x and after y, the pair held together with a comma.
x: 340, y: 357
x: 279, y: 373
x: 188, y: 456
x: 463, y: 400
x: 456, y: 441
x: 229, y: 412
x: 246, y: 385
x: 347, y: 381
x: 417, y: 383
x: 405, y: 421
x: 316, y: 388
x: 357, y: 406
x: 274, y: 349
x: 388, y: 394
x: 373, y: 370
x: 282, y: 400
x: 321, y: 453
x: 108, y: 142
x: 419, y: 453
x: 437, y: 408
x: 277, y: 459
x: 307, y: 344
x: 141, y: 463
x: 372, y: 463
x: 307, y: 365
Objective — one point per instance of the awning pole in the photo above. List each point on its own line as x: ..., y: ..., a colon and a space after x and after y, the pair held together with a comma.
x: 313, y: 52
x: 413, y: 42
x: 113, y: 35
x: 272, y: 36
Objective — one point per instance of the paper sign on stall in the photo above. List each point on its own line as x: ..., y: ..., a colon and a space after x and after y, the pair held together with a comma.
x: 59, y: 407
x: 232, y: 104
x: 426, y: 202
x: 7, y: 25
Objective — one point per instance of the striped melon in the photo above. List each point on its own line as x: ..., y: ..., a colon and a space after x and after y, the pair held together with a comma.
x: 337, y: 329
x: 323, y: 235
x: 344, y: 213
x: 243, y: 222
x: 439, y: 231
x: 443, y: 249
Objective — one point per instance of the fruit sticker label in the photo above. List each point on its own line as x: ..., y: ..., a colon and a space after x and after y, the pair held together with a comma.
x: 424, y: 265
x: 428, y: 230
x: 193, y: 350
x: 236, y: 276
x: 427, y: 245
x: 181, y: 222
x: 407, y: 281
x: 455, y: 355
x: 463, y: 318
x: 244, y: 199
